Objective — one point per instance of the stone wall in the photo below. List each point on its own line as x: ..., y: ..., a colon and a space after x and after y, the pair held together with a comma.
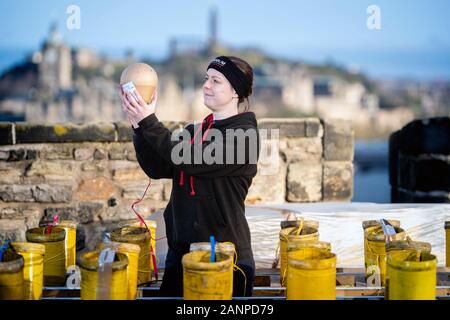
x: 89, y: 172
x: 419, y: 162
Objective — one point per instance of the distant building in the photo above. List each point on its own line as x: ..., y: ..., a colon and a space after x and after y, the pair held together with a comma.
x: 308, y: 93
x: 85, y: 58
x: 213, y: 40
x: 59, y: 83
x: 195, y: 45
x: 55, y: 67
x: 186, y: 46
x: 337, y: 98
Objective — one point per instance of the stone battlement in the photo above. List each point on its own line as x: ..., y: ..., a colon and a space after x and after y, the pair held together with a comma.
x: 89, y: 172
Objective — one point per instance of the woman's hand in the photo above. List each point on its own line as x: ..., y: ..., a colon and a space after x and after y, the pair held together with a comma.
x: 138, y: 109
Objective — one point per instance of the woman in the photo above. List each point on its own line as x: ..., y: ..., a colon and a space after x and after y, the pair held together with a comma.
x: 207, y: 197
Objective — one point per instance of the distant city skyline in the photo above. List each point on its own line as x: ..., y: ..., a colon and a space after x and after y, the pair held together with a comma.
x: 413, y: 40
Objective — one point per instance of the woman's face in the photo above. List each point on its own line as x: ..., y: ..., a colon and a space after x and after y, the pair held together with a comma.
x: 217, y: 90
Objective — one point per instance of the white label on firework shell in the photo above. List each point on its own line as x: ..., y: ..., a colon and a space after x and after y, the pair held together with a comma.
x: 129, y: 87
x: 106, y: 258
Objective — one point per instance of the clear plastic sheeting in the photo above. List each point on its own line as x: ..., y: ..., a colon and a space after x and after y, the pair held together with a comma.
x: 341, y: 225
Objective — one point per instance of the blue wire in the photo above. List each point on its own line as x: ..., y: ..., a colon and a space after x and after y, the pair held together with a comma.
x: 213, y: 249
x: 3, y: 249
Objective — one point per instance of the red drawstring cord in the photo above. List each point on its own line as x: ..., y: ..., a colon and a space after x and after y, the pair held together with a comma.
x: 192, y: 142
x: 206, y: 131
x: 196, y: 132
x: 192, y: 186
x: 181, y: 178
x: 209, y: 119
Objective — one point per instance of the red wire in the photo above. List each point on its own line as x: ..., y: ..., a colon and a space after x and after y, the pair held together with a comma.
x: 142, y: 221
x: 55, y: 222
x: 140, y: 218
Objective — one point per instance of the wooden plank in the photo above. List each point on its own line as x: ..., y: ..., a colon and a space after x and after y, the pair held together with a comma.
x: 443, y: 278
x: 49, y: 292
x: 345, y: 280
x: 258, y: 292
x: 262, y: 281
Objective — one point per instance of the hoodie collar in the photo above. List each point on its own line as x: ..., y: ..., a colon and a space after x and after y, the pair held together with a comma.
x: 243, y: 118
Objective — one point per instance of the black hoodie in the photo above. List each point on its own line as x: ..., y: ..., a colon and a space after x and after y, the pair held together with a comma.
x: 206, y: 199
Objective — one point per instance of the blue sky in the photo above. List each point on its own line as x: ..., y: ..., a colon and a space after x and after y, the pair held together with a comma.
x: 297, y: 29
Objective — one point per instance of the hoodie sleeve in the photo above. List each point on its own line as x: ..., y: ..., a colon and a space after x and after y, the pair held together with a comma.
x: 150, y: 161
x: 159, y: 137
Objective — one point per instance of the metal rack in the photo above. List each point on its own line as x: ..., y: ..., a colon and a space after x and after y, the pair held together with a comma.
x: 350, y: 285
